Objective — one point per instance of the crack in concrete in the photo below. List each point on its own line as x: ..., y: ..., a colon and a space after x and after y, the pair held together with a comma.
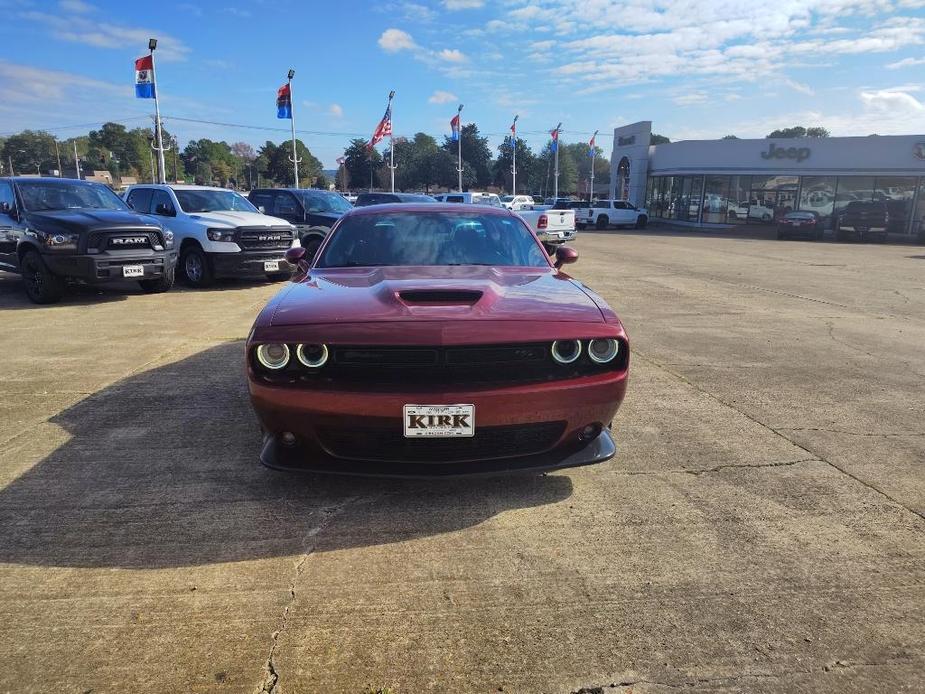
x: 717, y: 468
x: 865, y: 434
x: 270, y: 683
x: 777, y: 432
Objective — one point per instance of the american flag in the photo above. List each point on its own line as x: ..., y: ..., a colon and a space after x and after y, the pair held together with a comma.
x: 341, y: 160
x: 514, y: 129
x: 555, y: 138
x: 384, y: 129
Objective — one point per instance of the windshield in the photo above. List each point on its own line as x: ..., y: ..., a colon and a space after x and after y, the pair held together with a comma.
x: 425, y: 238
x: 41, y: 196
x: 319, y: 201
x: 507, y: 198
x: 213, y: 201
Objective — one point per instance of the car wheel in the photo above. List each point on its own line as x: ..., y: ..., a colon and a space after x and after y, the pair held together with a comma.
x: 42, y: 287
x: 602, y: 222
x: 196, y: 268
x: 765, y: 217
x: 732, y: 215
x: 580, y: 227
x: 641, y: 221
x: 160, y: 285
x: 819, y: 235
x: 781, y: 236
x: 278, y: 276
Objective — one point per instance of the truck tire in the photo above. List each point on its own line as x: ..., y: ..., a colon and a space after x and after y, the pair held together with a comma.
x: 42, y: 287
x: 311, y: 244
x: 603, y: 221
x: 197, y: 271
x: 160, y: 285
x: 641, y: 221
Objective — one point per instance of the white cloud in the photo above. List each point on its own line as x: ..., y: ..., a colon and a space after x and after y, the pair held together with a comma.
x: 905, y: 62
x: 463, y: 4
x: 452, y: 55
x: 25, y: 83
x: 89, y: 32
x: 892, y: 101
x: 77, y: 6
x: 799, y: 87
x: 336, y: 110
x: 691, y: 99
x: 395, y: 40
x: 441, y: 97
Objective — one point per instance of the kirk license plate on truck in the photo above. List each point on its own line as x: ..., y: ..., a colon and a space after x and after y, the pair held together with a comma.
x: 439, y: 421
x: 133, y: 270
x: 271, y: 266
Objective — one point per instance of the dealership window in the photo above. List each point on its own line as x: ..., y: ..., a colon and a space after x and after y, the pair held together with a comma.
x: 775, y: 182
x: 737, y: 211
x: 715, y: 199
x: 851, y: 188
x: 677, y: 197
x: 650, y: 188
x: 898, y: 192
x: 918, y: 219
x: 817, y: 195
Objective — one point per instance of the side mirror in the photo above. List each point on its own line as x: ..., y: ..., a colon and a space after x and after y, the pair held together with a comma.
x: 261, y: 209
x: 296, y: 256
x: 565, y: 256
x: 164, y: 210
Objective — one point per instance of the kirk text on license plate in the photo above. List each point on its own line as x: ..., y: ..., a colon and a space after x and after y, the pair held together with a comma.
x: 447, y: 421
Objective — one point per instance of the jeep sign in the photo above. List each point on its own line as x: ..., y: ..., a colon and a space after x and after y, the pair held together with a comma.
x: 775, y: 152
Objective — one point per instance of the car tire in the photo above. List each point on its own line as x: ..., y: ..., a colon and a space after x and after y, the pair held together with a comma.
x: 819, y: 235
x: 580, y: 227
x: 311, y: 244
x: 781, y: 236
x: 278, y: 276
x: 197, y: 271
x: 42, y: 287
x: 732, y: 215
x: 159, y: 285
x: 603, y: 221
x: 641, y: 221
x: 765, y: 217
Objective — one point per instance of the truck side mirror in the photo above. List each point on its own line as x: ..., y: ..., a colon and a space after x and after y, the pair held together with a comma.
x: 261, y: 209
x: 565, y: 256
x: 164, y: 210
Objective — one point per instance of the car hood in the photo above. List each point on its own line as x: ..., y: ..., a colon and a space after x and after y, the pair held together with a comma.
x: 81, y: 220
x: 231, y: 219
x: 435, y: 293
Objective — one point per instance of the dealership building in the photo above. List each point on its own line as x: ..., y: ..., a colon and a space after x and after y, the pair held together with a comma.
x: 724, y: 183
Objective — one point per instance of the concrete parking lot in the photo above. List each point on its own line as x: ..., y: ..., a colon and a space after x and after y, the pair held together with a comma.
x: 760, y: 530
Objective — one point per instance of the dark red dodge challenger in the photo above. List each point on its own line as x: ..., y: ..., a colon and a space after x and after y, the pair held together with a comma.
x: 429, y: 340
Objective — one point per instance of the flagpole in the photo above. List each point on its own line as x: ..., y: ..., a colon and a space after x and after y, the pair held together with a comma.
x: 391, y: 142
x: 161, y: 167
x: 593, y: 152
x: 459, y: 166
x: 76, y: 160
x: 295, y: 158
x: 555, y: 194
x: 514, y: 156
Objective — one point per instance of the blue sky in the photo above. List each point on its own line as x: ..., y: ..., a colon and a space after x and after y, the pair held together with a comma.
x: 696, y: 68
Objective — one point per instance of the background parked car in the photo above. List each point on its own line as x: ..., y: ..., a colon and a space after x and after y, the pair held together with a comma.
x: 217, y: 232
x: 863, y: 220
x: 490, y: 199
x: 517, y: 202
x: 802, y: 223
x: 364, y: 199
x: 312, y: 212
x: 605, y: 213
x: 53, y: 230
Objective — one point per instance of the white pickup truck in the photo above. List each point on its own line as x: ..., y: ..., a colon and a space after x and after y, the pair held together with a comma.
x: 517, y: 202
x: 550, y: 226
x: 605, y: 213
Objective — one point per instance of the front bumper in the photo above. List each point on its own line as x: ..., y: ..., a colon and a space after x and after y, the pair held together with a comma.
x: 107, y: 267
x: 556, y: 236
x: 249, y: 263
x: 375, y: 416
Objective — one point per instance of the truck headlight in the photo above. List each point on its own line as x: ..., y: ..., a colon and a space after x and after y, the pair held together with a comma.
x: 220, y: 234
x: 168, y: 238
x: 61, y: 242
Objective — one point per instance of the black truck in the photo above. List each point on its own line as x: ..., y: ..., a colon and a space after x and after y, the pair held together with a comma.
x: 863, y: 220
x: 313, y: 212
x: 55, y: 230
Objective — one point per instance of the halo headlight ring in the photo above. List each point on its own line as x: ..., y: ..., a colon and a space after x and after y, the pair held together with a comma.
x: 273, y: 356
x: 566, y: 351
x: 312, y: 356
x: 603, y: 350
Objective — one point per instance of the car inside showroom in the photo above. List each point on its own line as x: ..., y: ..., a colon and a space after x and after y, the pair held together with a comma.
x: 730, y: 182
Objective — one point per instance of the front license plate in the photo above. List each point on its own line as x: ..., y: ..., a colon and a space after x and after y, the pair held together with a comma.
x: 271, y: 265
x: 439, y: 421
x: 133, y: 270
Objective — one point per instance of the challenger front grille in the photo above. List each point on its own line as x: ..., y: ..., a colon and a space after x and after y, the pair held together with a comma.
x: 264, y: 238
x: 386, y: 443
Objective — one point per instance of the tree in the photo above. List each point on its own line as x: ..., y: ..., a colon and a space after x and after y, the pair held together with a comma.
x: 579, y: 153
x: 359, y: 161
x: 656, y: 139
x: 799, y: 131
x: 321, y: 182
x: 730, y: 137
x: 243, y: 151
x: 568, y: 170
x: 475, y: 152
x: 32, y: 151
x: 526, y: 164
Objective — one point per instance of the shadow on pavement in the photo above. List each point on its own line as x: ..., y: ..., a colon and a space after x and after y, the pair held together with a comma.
x: 161, y: 471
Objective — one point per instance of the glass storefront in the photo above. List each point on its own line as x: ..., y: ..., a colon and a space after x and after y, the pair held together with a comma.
x: 760, y: 199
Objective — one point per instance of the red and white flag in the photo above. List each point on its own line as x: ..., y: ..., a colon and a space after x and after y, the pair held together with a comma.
x: 384, y: 129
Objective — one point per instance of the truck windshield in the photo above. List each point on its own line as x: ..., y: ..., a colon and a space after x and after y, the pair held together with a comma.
x: 42, y: 196
x: 321, y: 201
x: 213, y: 201
x: 432, y: 238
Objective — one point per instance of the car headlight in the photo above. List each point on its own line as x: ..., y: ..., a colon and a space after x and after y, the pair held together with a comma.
x: 61, y: 242
x: 168, y: 238
x: 312, y: 356
x: 273, y: 356
x: 603, y: 350
x: 220, y: 234
x: 566, y: 351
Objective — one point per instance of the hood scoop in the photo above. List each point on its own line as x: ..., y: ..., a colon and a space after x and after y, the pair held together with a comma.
x: 442, y: 297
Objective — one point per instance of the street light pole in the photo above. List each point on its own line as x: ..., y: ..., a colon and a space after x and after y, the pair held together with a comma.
x: 555, y: 193
x: 593, y: 152
x: 391, y: 144
x: 459, y: 167
x: 294, y: 158
x: 76, y: 160
x: 514, y: 156
x: 161, y: 167
x: 11, y: 165
x: 57, y: 155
